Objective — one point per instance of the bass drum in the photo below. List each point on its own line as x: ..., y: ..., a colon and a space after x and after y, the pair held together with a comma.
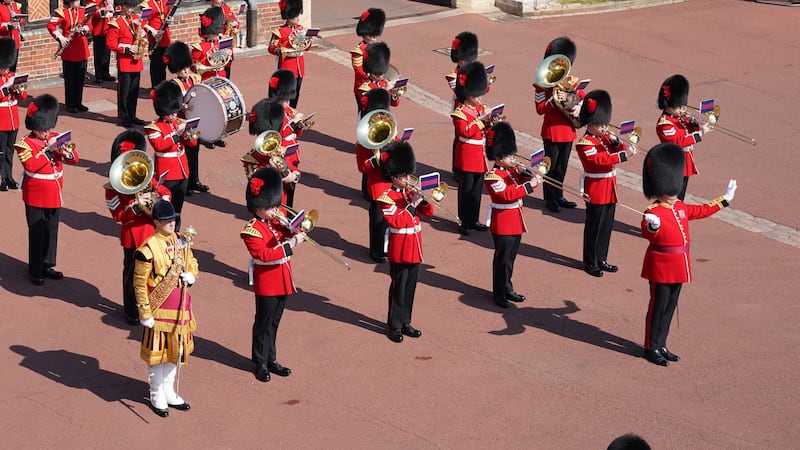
x: 220, y: 107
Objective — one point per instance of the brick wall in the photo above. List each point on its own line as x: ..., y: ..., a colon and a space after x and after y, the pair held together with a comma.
x: 36, y: 52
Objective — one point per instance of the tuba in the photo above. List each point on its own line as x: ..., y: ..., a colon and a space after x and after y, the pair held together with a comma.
x: 268, y: 145
x: 553, y: 72
x: 131, y: 173
x: 376, y: 129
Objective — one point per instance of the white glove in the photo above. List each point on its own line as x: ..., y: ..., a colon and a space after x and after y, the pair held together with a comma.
x: 728, y: 195
x: 297, y: 239
x: 653, y: 220
x: 188, y: 278
x: 61, y: 40
x: 85, y: 29
x: 149, y: 323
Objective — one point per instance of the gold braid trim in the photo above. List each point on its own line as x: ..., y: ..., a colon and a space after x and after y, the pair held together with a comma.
x: 168, y: 284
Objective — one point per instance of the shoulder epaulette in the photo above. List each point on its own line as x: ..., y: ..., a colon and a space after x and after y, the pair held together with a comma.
x: 145, y: 251
x: 152, y: 126
x: 357, y: 50
x: 365, y: 87
x: 653, y: 205
x: 113, y: 23
x: 585, y: 141
x: 59, y: 12
x: 492, y: 176
x: 250, y: 230
x: 384, y: 198
x: 19, y: 5
x: 458, y: 113
x: 197, y: 46
x: 276, y: 32
x: 664, y: 121
x: 26, y: 152
x: 108, y: 186
x: 248, y: 158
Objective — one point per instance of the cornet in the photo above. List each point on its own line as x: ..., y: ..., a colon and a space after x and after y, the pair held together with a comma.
x: 437, y: 195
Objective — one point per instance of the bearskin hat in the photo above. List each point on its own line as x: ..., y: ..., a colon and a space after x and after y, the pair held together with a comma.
x: 167, y: 97
x: 371, y: 22
x: 376, y: 58
x: 178, y: 56
x: 8, y: 52
x: 378, y: 99
x: 562, y: 46
x: 501, y: 141
x: 212, y: 21
x: 128, y: 3
x: 596, y: 108
x: 464, y: 47
x: 282, y: 85
x: 471, y: 81
x: 126, y: 141
x: 42, y: 113
x: 401, y: 160
x: 674, y: 92
x: 264, y: 189
x: 662, y: 172
x: 629, y: 441
x: 266, y: 115
x: 290, y: 8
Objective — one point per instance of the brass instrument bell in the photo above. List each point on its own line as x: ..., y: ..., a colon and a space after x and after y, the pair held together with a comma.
x: 376, y: 129
x: 131, y: 172
x: 552, y: 71
x: 268, y: 142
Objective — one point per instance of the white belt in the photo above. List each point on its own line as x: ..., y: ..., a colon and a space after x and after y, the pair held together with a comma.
x: 410, y: 230
x: 276, y: 262
x: 688, y: 149
x: 11, y: 103
x: 290, y: 137
x: 471, y: 141
x: 516, y: 204
x: 613, y: 173
x: 169, y: 154
x: 49, y: 176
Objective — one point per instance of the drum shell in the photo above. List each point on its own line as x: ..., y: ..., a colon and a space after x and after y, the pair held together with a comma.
x: 220, y: 106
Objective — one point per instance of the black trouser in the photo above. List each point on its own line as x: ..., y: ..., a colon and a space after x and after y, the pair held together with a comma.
x: 559, y: 161
x: 293, y: 102
x: 158, y: 70
x: 193, y: 157
x: 289, y: 189
x: 469, y: 198
x: 269, y: 310
x: 663, y: 301
x: 74, y: 79
x: 7, y: 141
x: 456, y: 171
x: 597, y: 232
x: 682, y: 193
x: 505, y: 252
x: 128, y: 292
x: 228, y: 69
x: 377, y: 231
x: 177, y: 189
x: 401, y: 293
x: 102, y: 58
x: 127, y: 95
x: 42, y: 238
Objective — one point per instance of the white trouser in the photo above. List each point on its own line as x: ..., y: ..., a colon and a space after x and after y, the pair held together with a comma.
x: 168, y: 385
x: 157, y: 397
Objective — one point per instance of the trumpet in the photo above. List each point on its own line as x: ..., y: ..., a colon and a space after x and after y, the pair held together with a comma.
x: 190, y: 135
x: 18, y: 89
x: 711, y: 118
x: 543, y: 167
x: 306, y: 225
x: 436, y: 196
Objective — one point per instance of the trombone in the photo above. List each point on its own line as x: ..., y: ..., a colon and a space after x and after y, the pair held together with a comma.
x: 711, y: 118
x: 437, y: 195
x: 308, y: 224
x: 631, y: 139
x: 542, y: 168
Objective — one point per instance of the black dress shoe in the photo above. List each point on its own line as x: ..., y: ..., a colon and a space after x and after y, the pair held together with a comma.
x: 110, y: 78
x: 72, y: 110
x: 395, y: 335
x: 3, y: 186
x: 410, y: 331
x: 132, y: 320
x: 199, y: 187
x: 463, y: 231
x: 503, y: 304
x: 593, y: 271
x: 11, y: 184
x: 514, y: 297
x: 138, y: 121
x: 606, y: 267
x: 83, y: 108
x: 159, y: 412
x: 378, y: 258
x: 479, y: 227
x: 669, y: 355
x: 182, y: 407
x: 276, y: 368
x: 37, y: 280
x: 220, y: 143
x: 655, y: 357
x: 564, y: 203
x: 262, y: 373
x: 208, y: 145
x: 553, y: 207
x: 52, y: 274
x: 98, y: 81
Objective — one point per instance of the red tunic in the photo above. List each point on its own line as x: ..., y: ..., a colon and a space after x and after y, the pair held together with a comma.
x: 267, y: 243
x: 599, y: 156
x: 683, y: 132
x: 63, y: 19
x: 357, y: 60
x: 43, y: 179
x: 231, y: 23
x: 9, y: 113
x: 289, y: 137
x: 287, y: 58
x: 470, y: 144
x: 667, y: 258
x: 200, y: 53
x: 405, y: 230
x: 556, y: 127
x: 369, y: 85
x: 101, y: 16
x: 160, y: 11
x: 169, y: 149
x: 136, y: 227
x: 376, y: 185
x: 506, y: 189
x: 7, y: 11
x: 120, y: 33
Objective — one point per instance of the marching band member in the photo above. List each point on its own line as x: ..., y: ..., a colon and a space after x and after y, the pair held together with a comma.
x: 266, y: 115
x: 9, y: 112
x: 133, y: 213
x: 166, y: 136
x: 463, y: 50
x: 42, y: 185
x: 211, y: 23
x: 270, y: 244
x: 599, y: 152
x: 508, y: 183
x: 376, y: 63
x: 282, y: 88
x: 369, y: 28
x: 471, y: 85
x: 370, y: 164
x: 165, y: 269
x: 102, y: 56
x: 230, y: 29
x: 76, y: 51
x: 676, y: 126
x: 667, y: 264
x: 558, y: 131
x: 9, y: 27
x: 400, y: 206
x: 122, y: 39
x: 280, y: 43
x: 178, y: 58
x: 153, y: 25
